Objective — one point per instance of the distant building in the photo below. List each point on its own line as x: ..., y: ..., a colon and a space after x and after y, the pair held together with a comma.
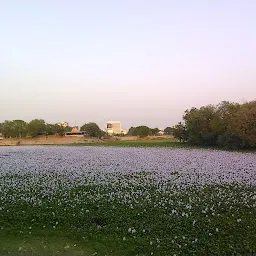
x: 76, y: 132
x: 1, y: 136
x: 114, y: 127
x: 75, y: 129
x: 161, y: 133
x: 63, y: 124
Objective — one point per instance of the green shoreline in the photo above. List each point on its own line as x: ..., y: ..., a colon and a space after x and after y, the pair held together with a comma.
x: 142, y: 144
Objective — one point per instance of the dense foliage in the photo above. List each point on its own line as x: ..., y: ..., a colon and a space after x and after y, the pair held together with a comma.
x: 92, y: 129
x: 230, y: 125
x: 169, y: 130
x: 20, y: 128
x: 142, y: 131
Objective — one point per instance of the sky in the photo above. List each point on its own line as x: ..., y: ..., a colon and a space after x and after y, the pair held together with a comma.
x: 142, y: 62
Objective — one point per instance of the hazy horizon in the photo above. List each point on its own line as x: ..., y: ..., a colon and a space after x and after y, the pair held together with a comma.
x: 139, y: 62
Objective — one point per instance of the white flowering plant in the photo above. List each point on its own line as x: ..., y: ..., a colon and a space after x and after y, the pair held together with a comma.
x: 127, y: 201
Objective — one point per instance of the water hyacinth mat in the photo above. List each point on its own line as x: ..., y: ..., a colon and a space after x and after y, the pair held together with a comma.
x: 126, y: 201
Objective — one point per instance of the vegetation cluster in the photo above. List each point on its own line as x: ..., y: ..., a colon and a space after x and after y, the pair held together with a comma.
x: 227, y: 125
x: 20, y: 128
x: 126, y: 201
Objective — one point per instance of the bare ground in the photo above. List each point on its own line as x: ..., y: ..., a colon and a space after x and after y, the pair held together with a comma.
x: 60, y: 140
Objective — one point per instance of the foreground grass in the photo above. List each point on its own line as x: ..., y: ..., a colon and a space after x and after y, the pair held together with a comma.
x: 130, y: 220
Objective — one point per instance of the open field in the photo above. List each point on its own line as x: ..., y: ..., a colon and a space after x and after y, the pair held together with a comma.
x: 126, y: 201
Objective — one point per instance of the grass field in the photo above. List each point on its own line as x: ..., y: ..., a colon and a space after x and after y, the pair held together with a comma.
x: 157, y: 143
x: 126, y: 201
x: 136, y: 143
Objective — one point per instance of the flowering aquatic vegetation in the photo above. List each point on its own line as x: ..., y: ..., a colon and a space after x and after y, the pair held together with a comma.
x: 128, y: 201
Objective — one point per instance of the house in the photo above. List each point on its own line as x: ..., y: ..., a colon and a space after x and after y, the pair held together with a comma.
x: 161, y: 133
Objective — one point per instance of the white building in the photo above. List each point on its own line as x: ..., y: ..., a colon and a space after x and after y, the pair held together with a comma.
x: 114, y: 127
x: 161, y: 132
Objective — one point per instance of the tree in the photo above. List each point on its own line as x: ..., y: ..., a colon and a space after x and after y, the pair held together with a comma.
x: 142, y: 131
x: 36, y: 127
x: 245, y: 124
x: 131, y: 131
x: 67, y: 129
x: 227, y: 124
x: 154, y: 131
x: 223, y: 122
x: 19, y: 128
x: 6, y: 129
x: 15, y: 128
x: 180, y: 132
x: 224, y: 125
x: 92, y: 129
x: 50, y: 129
x: 168, y: 130
x: 59, y: 129
x: 198, y: 124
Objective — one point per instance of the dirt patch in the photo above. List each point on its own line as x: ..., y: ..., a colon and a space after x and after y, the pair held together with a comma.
x: 43, y: 140
x: 60, y: 140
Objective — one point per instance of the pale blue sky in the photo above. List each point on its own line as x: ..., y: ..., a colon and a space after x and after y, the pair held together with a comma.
x: 137, y: 61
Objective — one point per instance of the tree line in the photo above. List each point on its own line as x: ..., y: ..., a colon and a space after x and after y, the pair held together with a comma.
x: 20, y: 128
x: 228, y: 125
x: 36, y: 127
x: 143, y: 131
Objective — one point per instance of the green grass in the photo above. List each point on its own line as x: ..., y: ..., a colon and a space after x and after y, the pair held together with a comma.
x: 85, y: 220
x: 136, y: 143
x: 39, y: 243
x: 156, y: 144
